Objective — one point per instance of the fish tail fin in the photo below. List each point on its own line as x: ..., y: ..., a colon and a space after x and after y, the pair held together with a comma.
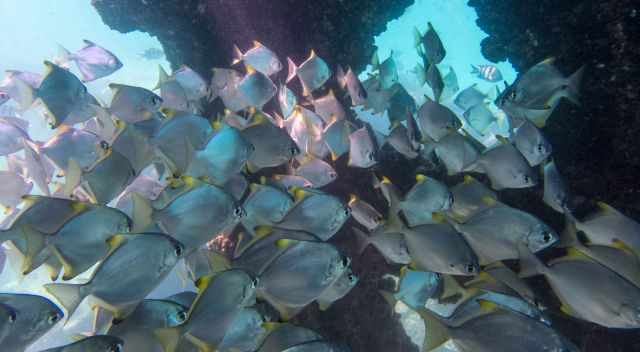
x: 63, y: 57
x: 341, y: 77
x: 437, y: 333
x: 68, y: 295
x: 573, y: 86
x: 530, y: 265
x: 237, y: 55
x: 163, y: 77
x: 362, y: 240
x: 474, y: 70
x: 569, y: 236
x: 26, y: 94
x: 142, y: 212
x: 417, y: 37
x: 389, y: 298
x: 453, y: 292
x: 168, y: 338
x: 36, y: 242
x: 421, y: 74
x: 292, y: 69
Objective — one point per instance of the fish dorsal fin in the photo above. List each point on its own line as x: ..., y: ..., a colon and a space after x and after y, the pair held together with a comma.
x: 386, y: 180
x: 573, y: 254
x: 623, y: 246
x: 606, y: 209
x: 468, y: 179
x: 203, y: 282
x: 163, y: 77
x: 250, y: 69
x: 352, y: 199
x: 375, y: 60
x: 312, y: 54
x: 548, y: 61
x: 257, y: 44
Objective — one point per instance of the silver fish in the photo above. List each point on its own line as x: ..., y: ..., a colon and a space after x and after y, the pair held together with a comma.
x: 133, y: 104
x: 290, y: 281
x: 12, y: 188
x: 64, y: 96
x: 427, y: 196
x: 93, y: 61
x: 286, y: 335
x: 480, y: 117
x: 195, y: 87
x: 362, y: 152
x: 416, y: 287
x: 265, y: 205
x: 336, y: 136
x: 470, y: 197
x: 338, y: 290
x: 505, y: 167
x: 12, y: 131
x: 220, y: 299
x: 109, y: 176
x: 469, y: 98
x: 401, y: 104
x: 287, y: 100
x: 219, y: 167
x: 329, y: 108
x: 350, y: 81
x: 273, y: 146
x: 312, y: 73
x: 392, y: 246
x: 494, y: 233
x: 436, y: 121
x: 36, y: 166
x: 196, y: 213
x: 97, y: 343
x: 488, y: 73
x: 541, y: 87
x: 608, y: 226
x: 555, y: 190
x: 455, y: 151
x: 364, y: 213
x: 316, y: 171
x: 37, y: 315
x: 245, y: 332
x: 115, y: 285
x: 497, y: 329
x: 137, y: 330
x: 439, y: 248
x: 256, y: 88
x: 532, y: 144
x: 180, y: 136
x: 80, y: 145
x: 587, y: 290
x: 387, y: 70
x: 451, y: 86
x: 259, y: 57
x: 432, y: 47
x: 316, y: 212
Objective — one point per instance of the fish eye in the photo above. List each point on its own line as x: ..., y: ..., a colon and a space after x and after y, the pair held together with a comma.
x: 540, y: 148
x: 238, y: 212
x: 12, y: 317
x: 471, y: 268
x: 177, y: 249
x: 53, y: 318
x: 347, y: 212
x: 254, y: 282
x: 512, y: 95
x: 333, y: 174
x: 155, y: 100
x: 104, y: 145
x: 116, y: 348
x: 370, y: 156
x: 379, y: 219
x: 546, y: 237
x: 351, y: 277
x: 527, y: 179
x: 345, y: 262
x: 293, y: 150
x: 181, y: 316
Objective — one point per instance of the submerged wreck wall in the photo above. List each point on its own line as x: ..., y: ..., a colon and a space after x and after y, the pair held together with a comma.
x: 596, y: 146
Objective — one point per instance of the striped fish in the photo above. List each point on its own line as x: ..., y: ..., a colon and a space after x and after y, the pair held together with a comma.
x: 487, y: 72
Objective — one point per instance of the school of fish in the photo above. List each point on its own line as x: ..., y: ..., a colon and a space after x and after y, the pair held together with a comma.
x: 135, y: 188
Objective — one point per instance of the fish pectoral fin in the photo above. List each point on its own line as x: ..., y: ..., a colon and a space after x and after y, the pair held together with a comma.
x: 168, y: 337
x: 69, y: 271
x: 199, y: 343
x: 36, y: 242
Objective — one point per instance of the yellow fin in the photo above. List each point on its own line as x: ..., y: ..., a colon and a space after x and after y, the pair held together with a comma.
x: 352, y: 199
x: 385, y: 179
x: 564, y: 308
x: 263, y: 180
x: 487, y: 306
x: 68, y: 270
x: 299, y: 194
x: 503, y: 140
x: 606, y: 208
x: 437, y: 333
x: 420, y: 178
x: 574, y: 253
x: 202, y: 282
x: 489, y: 200
x: 200, y: 344
x: 115, y: 241
x: 263, y: 230
x: 622, y: 246
x: 438, y: 218
x: 468, y: 179
x: 285, y: 243
x: 168, y: 338
x: 142, y: 212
